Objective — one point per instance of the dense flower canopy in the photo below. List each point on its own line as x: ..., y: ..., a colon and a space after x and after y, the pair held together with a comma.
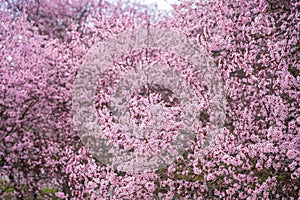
x: 255, y: 48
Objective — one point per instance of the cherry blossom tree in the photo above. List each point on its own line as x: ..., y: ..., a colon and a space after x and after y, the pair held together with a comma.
x: 39, y: 60
x: 255, y: 48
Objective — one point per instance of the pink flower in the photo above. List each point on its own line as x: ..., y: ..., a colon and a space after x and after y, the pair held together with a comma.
x: 171, y: 169
x: 150, y: 186
x: 197, y: 171
x: 210, y: 177
x: 61, y: 195
x: 292, y: 154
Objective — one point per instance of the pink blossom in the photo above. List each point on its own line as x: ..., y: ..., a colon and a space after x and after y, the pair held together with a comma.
x: 292, y: 154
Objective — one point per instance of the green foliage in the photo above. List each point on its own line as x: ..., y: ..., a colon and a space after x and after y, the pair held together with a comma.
x: 44, y: 193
